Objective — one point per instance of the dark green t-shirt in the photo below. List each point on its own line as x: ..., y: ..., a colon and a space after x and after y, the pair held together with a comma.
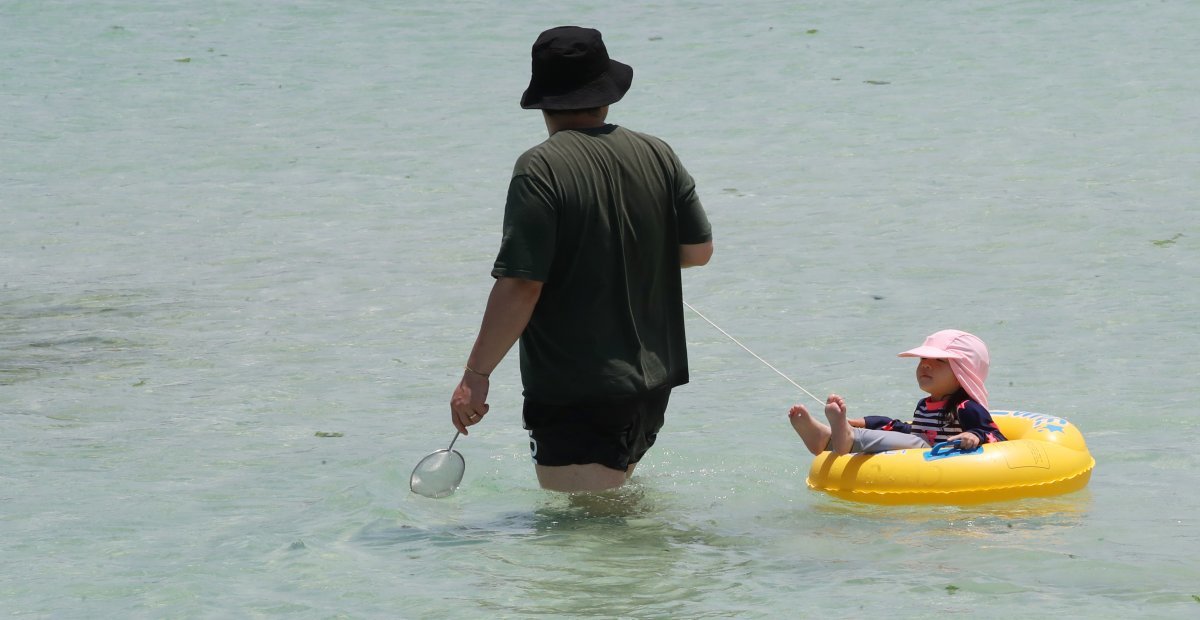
x: 598, y: 216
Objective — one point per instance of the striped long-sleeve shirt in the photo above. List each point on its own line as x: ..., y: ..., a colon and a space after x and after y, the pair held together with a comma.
x: 931, y: 421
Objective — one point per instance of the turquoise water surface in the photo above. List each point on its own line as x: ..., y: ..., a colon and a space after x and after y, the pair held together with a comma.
x: 244, y: 250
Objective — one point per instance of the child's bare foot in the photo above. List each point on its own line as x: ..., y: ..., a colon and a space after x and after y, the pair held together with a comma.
x: 814, y: 434
x: 841, y: 437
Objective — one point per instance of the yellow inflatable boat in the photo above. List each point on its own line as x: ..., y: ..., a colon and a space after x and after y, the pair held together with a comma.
x: 1044, y: 455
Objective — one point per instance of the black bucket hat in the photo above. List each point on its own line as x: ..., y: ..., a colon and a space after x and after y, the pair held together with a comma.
x: 572, y: 71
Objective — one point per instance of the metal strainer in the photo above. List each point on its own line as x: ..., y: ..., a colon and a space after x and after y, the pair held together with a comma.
x: 439, y: 473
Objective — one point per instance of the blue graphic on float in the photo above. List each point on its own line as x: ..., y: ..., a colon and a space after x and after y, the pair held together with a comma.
x: 1043, y: 422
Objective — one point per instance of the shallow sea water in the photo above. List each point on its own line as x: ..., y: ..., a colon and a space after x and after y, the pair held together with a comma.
x: 244, y: 249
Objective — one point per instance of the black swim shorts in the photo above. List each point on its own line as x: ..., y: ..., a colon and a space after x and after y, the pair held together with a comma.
x: 614, y: 435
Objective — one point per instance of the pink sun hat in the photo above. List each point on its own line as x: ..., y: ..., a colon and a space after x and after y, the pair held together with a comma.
x: 968, y: 358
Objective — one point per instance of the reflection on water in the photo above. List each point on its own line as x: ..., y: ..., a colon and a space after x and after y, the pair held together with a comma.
x: 1036, y: 520
x: 560, y: 517
x: 1071, y: 507
x: 618, y: 553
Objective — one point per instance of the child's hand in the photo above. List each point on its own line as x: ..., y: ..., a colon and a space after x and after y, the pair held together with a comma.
x: 967, y: 441
x: 835, y: 405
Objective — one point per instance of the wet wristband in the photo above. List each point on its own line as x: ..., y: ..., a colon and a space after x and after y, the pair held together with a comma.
x: 476, y: 372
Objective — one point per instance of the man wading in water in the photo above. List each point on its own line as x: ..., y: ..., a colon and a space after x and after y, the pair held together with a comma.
x: 597, y: 224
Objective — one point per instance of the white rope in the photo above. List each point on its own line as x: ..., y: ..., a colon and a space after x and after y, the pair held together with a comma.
x: 738, y: 343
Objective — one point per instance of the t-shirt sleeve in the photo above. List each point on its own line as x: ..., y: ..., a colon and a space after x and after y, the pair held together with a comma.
x: 692, y: 220
x: 527, y: 248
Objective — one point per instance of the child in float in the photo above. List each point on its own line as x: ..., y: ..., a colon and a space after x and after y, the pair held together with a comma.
x: 952, y: 368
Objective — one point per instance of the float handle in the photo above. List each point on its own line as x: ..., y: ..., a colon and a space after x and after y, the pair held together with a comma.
x: 946, y: 446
